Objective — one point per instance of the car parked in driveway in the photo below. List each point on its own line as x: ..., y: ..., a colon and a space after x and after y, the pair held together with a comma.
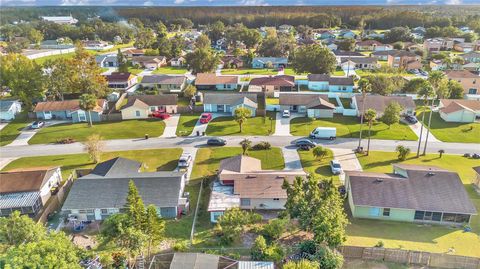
x: 411, y: 119
x: 216, y: 141
x: 305, y: 143
x: 336, y: 167
x: 286, y: 114
x: 205, y: 118
x: 37, y: 125
x: 185, y: 160
x: 160, y: 115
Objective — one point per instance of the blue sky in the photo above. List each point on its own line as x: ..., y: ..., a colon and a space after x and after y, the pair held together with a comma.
x: 228, y: 2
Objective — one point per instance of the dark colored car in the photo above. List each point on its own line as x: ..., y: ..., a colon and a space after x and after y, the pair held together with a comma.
x: 411, y: 119
x: 215, y: 141
x: 305, y: 144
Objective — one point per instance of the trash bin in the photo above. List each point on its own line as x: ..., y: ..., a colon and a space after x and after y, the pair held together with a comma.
x: 146, y: 136
x: 198, y: 133
x: 203, y: 133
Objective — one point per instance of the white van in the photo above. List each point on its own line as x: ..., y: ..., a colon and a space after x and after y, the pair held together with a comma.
x: 324, y: 133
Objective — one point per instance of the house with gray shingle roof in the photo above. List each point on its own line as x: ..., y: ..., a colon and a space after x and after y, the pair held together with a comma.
x: 314, y: 105
x: 104, y: 190
x: 164, y: 83
x: 324, y: 82
x: 412, y: 193
x: 110, y: 60
x: 228, y: 102
x: 9, y: 109
x: 265, y: 62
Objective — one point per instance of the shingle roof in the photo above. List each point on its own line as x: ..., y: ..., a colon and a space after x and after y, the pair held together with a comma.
x: 70, y: 105
x: 360, y: 60
x: 115, y: 167
x: 384, y: 52
x: 453, y: 105
x: 320, y: 103
x: 25, y: 180
x: 212, y: 79
x: 344, y: 53
x: 283, y: 81
x: 263, y: 185
x: 460, y: 74
x: 5, y: 105
x: 151, y: 100
x: 369, y: 43
x: 228, y: 98
x: 437, y: 190
x: 119, y: 76
x: 164, y: 79
x: 240, y: 164
x: 300, y: 99
x: 194, y: 261
x: 148, y: 59
x: 273, y: 60
x: 331, y: 80
x: 379, y: 103
x: 477, y: 169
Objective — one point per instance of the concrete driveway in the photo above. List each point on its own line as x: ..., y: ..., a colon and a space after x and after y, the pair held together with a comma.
x: 171, y: 126
x: 193, y: 152
x: 282, y: 125
x: 202, y: 127
x: 27, y: 133
x: 291, y: 157
x: 348, y: 160
x: 416, y: 129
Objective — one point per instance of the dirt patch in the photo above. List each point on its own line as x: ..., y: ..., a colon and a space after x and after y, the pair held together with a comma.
x: 248, y: 239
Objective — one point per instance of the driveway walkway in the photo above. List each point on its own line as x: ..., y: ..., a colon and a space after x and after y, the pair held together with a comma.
x: 202, y: 127
x: 193, y: 152
x: 2, y: 125
x: 5, y: 161
x: 27, y: 133
x: 171, y: 126
x: 348, y: 160
x: 282, y: 125
x: 416, y: 129
x: 291, y: 157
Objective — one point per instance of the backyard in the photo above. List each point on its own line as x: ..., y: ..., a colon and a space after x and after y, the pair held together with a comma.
x: 108, y: 130
x: 413, y: 236
x: 170, y: 70
x: 253, y: 126
x: 349, y: 127
x: 187, y: 123
x: 452, y: 131
x: 12, y: 130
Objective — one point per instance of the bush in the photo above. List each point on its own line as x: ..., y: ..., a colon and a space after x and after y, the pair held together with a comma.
x: 67, y: 140
x: 260, y: 251
x: 264, y: 145
x: 379, y: 244
x: 329, y: 259
x: 308, y: 246
x: 180, y: 246
x: 274, y: 229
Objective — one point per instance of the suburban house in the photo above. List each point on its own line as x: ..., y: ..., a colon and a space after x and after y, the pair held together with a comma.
x: 352, y: 63
x: 347, y: 34
x: 326, y: 35
x: 383, y: 55
x: 149, y: 62
x: 120, y: 80
x: 228, y: 102
x: 142, y: 106
x: 69, y: 110
x: 372, y: 45
x: 104, y: 190
x: 412, y: 193
x: 178, y: 62
x: 339, y: 54
x: 269, y: 62
x: 130, y: 53
x: 471, y: 57
x: 96, y: 45
x: 285, y: 28
x: 472, y: 67
x: 324, y: 82
x: 9, y: 109
x: 210, y: 81
x: 182, y: 260
x: 230, y: 61
x: 56, y: 44
x: 27, y: 190
x: 405, y: 59
x: 107, y: 60
x: 313, y: 105
x: 379, y: 103
x: 60, y: 19
x: 470, y: 82
x: 164, y: 83
x: 459, y: 110
x: 242, y: 183
x: 438, y: 44
x: 272, y: 85
x: 476, y: 181
x: 464, y: 47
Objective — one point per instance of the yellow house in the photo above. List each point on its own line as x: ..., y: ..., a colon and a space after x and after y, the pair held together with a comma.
x: 141, y: 106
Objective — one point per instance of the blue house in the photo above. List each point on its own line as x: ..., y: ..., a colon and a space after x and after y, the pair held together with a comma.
x: 327, y: 35
x: 228, y: 102
x: 107, y: 60
x: 265, y: 62
x: 347, y: 34
x: 324, y: 82
x: 69, y: 110
x: 9, y: 109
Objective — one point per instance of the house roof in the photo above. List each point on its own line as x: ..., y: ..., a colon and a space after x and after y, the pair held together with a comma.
x: 435, y: 190
x: 344, y: 53
x: 107, y: 58
x: 384, y: 52
x: 331, y: 80
x: 134, y: 51
x: 240, y: 164
x: 453, y: 105
x: 379, y: 103
x: 148, y: 59
x: 25, y: 180
x: 212, y: 79
x: 164, y: 79
x: 19, y: 199
x: 360, y: 60
x: 454, y: 74
x: 194, y: 261
x: 230, y: 98
x: 300, y: 99
x: 320, y: 103
x: 70, y: 105
x: 273, y: 60
x: 470, y: 54
x: 115, y: 167
x: 404, y: 53
x: 151, y: 100
x: 477, y: 169
x: 119, y: 76
x: 369, y: 43
x: 5, y: 105
x: 282, y: 81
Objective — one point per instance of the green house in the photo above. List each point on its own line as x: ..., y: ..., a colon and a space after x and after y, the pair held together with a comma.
x: 412, y: 193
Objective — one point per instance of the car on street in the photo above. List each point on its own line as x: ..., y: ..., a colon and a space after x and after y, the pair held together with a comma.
x: 411, y: 119
x: 205, y: 118
x: 305, y: 144
x: 216, y: 141
x: 185, y: 160
x: 286, y: 114
x: 160, y: 115
x: 336, y: 167
x: 37, y: 125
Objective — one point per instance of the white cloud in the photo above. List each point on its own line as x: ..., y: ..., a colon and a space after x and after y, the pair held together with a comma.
x: 178, y: 2
x: 148, y: 3
x: 22, y: 2
x: 453, y: 2
x: 75, y: 2
x: 253, y: 3
x: 393, y: 2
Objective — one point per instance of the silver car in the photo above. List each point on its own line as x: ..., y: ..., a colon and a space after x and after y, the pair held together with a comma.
x: 336, y: 167
x: 185, y: 160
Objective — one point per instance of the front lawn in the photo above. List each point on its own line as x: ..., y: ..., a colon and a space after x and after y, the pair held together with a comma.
x: 42, y: 60
x: 318, y: 168
x: 170, y: 70
x: 187, y: 123
x: 12, y: 130
x: 249, y: 71
x: 413, y: 236
x: 108, y: 130
x: 452, y: 131
x: 135, y: 71
x: 338, y: 72
x: 69, y: 162
x: 291, y: 72
x: 349, y: 127
x: 253, y: 126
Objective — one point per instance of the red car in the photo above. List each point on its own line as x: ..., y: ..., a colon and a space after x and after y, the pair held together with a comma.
x: 160, y: 115
x: 205, y: 117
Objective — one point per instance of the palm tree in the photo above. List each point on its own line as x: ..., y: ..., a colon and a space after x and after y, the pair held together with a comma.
x: 246, y: 144
x: 370, y: 116
x: 241, y: 114
x: 402, y: 152
x: 88, y: 102
x: 319, y: 152
x: 425, y: 91
x: 435, y: 78
x: 366, y: 87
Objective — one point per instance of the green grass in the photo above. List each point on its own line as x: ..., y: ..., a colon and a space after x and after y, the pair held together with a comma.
x: 108, y: 130
x: 362, y: 264
x: 249, y: 71
x: 42, y: 60
x: 12, y: 130
x: 349, y: 127
x: 135, y: 71
x: 70, y: 162
x: 338, y: 72
x: 452, y: 131
x: 419, y: 237
x: 170, y: 70
x: 253, y: 126
x: 187, y: 123
x: 318, y: 168
x: 291, y: 72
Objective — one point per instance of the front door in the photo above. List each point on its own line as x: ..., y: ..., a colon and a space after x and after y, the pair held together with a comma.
x: 220, y: 108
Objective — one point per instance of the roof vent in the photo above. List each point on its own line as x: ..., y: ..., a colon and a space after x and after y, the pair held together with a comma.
x: 378, y: 180
x: 251, y: 176
x: 430, y: 174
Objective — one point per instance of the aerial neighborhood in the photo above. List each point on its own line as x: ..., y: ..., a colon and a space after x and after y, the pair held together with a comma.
x: 240, y: 137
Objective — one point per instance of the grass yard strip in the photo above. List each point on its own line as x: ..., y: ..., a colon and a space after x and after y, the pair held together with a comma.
x: 12, y: 130
x: 349, y: 127
x: 249, y: 71
x: 403, y: 235
x: 253, y: 126
x: 42, y: 60
x: 338, y: 73
x: 153, y: 160
x: 187, y: 123
x: 107, y: 129
x: 291, y: 72
x: 318, y: 168
x: 170, y: 70
x: 452, y: 131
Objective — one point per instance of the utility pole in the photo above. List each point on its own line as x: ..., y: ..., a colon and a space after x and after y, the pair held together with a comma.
x: 364, y: 95
x: 421, y: 130
x: 428, y: 129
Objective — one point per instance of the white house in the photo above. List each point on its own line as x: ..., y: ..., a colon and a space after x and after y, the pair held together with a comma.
x: 459, y: 110
x: 9, y: 109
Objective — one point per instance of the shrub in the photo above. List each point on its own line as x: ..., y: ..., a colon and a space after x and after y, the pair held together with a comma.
x: 264, y: 145
x: 260, y: 251
x: 67, y: 140
x: 329, y: 259
x: 308, y: 246
x: 379, y: 244
x: 180, y: 246
x: 274, y: 229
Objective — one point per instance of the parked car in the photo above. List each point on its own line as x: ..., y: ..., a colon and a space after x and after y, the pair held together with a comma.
x: 37, y: 125
x: 286, y: 114
x: 336, y: 167
x: 324, y: 133
x: 205, y: 117
x: 185, y: 160
x: 215, y: 141
x: 160, y: 115
x: 305, y: 143
x: 411, y: 119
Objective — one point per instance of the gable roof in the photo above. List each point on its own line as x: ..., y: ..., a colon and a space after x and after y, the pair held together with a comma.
x: 369, y: 42
x: 114, y: 167
x: 6, y: 105
x: 453, y: 105
x: 301, y: 99
x: 70, y: 105
x: 477, y: 169
x: 384, y: 52
x: 164, y: 79
x: 425, y: 188
x: 231, y: 98
x: 119, y: 76
x: 25, y: 180
x: 213, y: 79
x: 379, y: 102
x: 454, y: 74
x: 273, y: 60
x: 282, y: 81
x: 240, y: 164
x: 320, y: 103
x: 360, y: 60
x: 404, y: 53
x: 148, y: 59
x: 150, y: 100
x: 344, y: 53
x: 331, y: 80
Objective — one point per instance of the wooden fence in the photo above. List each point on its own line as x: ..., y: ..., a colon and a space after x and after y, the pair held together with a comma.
x: 410, y: 257
x: 55, y: 201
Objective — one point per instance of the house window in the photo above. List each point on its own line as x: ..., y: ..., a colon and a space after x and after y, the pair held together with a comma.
x: 245, y: 202
x: 419, y: 215
x: 472, y: 91
x: 448, y: 217
x: 386, y: 212
x: 104, y: 211
x: 374, y: 211
x: 276, y: 199
x: 137, y: 113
